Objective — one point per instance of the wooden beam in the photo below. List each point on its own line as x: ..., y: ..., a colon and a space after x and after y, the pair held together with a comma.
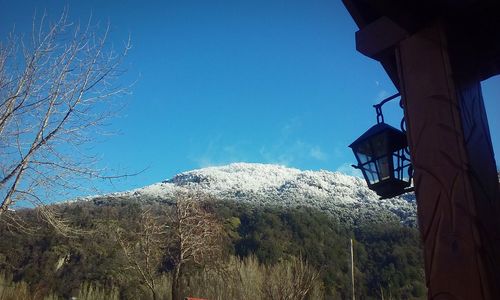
x: 379, y: 37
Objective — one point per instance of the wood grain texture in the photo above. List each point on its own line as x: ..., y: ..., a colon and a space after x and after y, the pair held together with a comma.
x: 455, y: 178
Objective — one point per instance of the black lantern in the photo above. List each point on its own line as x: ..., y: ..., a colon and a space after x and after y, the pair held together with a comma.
x: 381, y: 153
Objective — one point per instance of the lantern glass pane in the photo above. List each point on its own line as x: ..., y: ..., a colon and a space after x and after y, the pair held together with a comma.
x: 384, y: 168
x: 379, y: 145
x: 398, y: 169
x: 365, y: 149
x: 370, y: 171
x: 364, y: 158
x: 401, y: 165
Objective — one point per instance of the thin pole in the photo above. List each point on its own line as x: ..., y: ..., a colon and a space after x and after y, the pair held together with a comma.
x: 352, y: 273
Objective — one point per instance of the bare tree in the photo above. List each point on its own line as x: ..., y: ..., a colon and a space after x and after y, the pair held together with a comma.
x: 290, y: 280
x: 55, y: 92
x: 197, y: 237
x: 145, y: 248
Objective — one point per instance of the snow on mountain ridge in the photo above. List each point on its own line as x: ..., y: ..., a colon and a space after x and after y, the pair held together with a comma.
x: 245, y: 176
x: 264, y: 184
x: 256, y: 177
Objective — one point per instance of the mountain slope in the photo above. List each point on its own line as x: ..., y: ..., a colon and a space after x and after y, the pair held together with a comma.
x: 344, y: 196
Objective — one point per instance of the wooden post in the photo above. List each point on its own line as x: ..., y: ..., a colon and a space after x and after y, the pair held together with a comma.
x: 456, y: 182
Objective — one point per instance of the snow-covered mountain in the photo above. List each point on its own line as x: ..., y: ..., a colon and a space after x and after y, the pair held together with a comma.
x: 344, y: 196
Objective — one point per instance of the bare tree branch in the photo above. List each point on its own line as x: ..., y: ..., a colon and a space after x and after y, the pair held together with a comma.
x: 55, y: 92
x: 197, y: 236
x: 145, y: 248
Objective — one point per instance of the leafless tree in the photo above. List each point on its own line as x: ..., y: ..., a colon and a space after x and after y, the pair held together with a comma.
x: 197, y: 237
x: 57, y: 89
x: 145, y: 248
x: 290, y: 280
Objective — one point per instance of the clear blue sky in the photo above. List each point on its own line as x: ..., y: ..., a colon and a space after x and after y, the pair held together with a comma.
x: 229, y: 81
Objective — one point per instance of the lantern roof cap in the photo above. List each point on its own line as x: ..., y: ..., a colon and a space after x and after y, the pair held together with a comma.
x: 373, y: 131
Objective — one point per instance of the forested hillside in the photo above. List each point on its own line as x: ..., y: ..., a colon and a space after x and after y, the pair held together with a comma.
x: 264, y: 248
